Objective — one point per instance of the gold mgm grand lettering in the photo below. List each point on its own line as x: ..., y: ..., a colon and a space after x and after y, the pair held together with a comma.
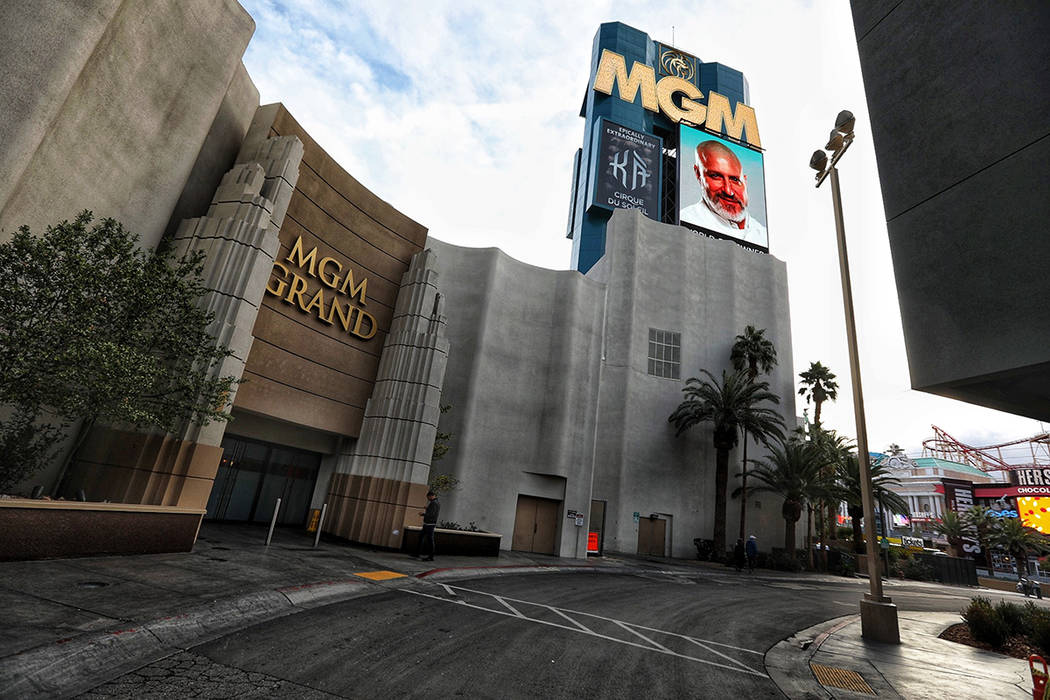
x: 294, y: 290
x: 657, y: 96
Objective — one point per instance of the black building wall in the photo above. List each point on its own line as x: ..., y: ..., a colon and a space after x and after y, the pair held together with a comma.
x: 959, y: 98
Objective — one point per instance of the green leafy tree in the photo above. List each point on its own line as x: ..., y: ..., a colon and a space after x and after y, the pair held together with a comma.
x: 881, y: 481
x: 731, y: 405
x: 442, y: 441
x: 954, y: 528
x: 95, y: 329
x: 1018, y: 541
x: 797, y: 472
x: 26, y: 446
x: 752, y: 353
x: 836, y: 450
x: 818, y: 386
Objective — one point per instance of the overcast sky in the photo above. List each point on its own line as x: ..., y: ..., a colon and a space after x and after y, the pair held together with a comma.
x: 465, y: 116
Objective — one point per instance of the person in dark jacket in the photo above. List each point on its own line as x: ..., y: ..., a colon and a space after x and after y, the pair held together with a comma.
x: 751, y: 548
x: 430, y: 521
x: 738, y: 555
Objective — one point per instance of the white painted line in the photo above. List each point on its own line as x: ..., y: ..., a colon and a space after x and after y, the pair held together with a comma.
x: 447, y: 589
x: 508, y: 606
x: 609, y: 619
x: 583, y: 630
x: 553, y: 609
x: 639, y: 634
x: 839, y: 602
x: 716, y: 652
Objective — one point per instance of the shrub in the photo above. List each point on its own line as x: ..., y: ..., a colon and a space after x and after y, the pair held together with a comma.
x: 984, y: 622
x: 1012, y: 615
x: 847, y: 565
x: 781, y: 561
x: 917, y: 570
x: 1035, y: 623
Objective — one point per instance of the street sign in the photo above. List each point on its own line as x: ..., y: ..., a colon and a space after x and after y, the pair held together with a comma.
x: 884, y: 543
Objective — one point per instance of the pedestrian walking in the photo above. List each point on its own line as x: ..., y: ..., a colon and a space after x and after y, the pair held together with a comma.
x: 430, y: 521
x: 751, y: 549
x: 738, y: 554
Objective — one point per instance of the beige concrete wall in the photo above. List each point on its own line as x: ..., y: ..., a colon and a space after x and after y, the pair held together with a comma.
x: 128, y: 93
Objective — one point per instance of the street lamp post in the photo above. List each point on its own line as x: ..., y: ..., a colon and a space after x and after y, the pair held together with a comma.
x: 878, y: 614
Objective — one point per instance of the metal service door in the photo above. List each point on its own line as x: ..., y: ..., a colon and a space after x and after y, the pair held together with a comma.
x: 536, y: 525
x: 651, y: 535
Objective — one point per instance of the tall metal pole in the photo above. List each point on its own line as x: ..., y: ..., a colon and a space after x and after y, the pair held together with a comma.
x: 874, y: 623
x: 858, y: 396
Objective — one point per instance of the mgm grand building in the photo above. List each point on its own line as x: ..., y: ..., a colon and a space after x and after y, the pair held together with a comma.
x: 351, y: 328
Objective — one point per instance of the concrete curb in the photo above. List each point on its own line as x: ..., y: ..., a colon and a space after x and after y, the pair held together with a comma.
x: 71, y: 666
x: 787, y: 662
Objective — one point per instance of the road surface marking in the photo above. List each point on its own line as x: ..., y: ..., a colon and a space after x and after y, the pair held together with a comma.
x: 581, y: 629
x: 639, y: 634
x: 379, y: 575
x: 508, y: 606
x: 553, y: 609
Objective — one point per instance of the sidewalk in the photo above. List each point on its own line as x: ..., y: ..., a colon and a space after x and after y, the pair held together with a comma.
x: 920, y: 667
x: 71, y: 624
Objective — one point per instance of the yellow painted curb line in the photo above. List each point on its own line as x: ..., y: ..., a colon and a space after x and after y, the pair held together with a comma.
x: 379, y: 575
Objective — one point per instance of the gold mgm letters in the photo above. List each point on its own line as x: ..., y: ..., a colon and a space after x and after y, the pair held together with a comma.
x: 657, y: 96
x: 294, y: 290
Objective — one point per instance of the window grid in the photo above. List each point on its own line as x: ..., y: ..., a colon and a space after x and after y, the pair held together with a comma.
x: 665, y: 354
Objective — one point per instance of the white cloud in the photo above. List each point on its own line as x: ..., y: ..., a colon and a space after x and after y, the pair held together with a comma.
x: 464, y: 115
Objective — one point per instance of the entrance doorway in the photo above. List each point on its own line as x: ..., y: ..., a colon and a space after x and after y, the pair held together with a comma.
x: 536, y: 525
x: 651, y: 535
x: 253, y: 475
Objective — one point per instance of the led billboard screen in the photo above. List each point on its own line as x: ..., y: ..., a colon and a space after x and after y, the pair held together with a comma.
x: 1033, y: 511
x: 721, y: 187
x: 628, y: 170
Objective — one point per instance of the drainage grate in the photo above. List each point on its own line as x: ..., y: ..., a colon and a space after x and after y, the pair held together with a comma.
x: 841, y: 678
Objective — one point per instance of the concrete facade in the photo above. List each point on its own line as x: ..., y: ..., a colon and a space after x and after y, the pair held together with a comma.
x: 107, y: 105
x: 551, y: 394
x: 966, y: 194
x: 145, y: 114
x: 523, y: 382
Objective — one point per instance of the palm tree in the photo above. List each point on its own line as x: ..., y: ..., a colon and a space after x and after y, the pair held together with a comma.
x: 849, y: 479
x: 797, y: 472
x: 1018, y: 541
x: 981, y: 519
x: 752, y: 353
x: 732, y: 405
x: 953, y: 528
x: 818, y: 386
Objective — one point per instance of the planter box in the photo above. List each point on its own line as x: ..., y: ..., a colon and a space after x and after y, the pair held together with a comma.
x: 35, y: 529
x: 481, y: 544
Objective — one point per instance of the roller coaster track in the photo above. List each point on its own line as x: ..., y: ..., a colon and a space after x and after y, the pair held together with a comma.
x: 988, y: 458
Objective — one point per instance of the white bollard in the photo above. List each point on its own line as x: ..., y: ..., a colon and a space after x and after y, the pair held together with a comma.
x: 273, y: 521
x: 320, y: 524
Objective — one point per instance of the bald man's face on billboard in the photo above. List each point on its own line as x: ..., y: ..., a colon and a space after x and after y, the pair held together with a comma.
x: 722, y: 181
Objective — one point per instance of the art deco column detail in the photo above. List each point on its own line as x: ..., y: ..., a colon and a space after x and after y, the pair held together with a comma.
x: 381, y: 486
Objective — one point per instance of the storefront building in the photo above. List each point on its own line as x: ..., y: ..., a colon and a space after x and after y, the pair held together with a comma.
x: 351, y: 328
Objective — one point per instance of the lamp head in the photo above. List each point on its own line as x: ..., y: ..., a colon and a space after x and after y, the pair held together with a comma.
x: 818, y: 161
x: 834, y: 141
x: 845, y: 122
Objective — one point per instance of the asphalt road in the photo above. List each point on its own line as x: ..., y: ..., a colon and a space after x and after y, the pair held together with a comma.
x: 553, y: 636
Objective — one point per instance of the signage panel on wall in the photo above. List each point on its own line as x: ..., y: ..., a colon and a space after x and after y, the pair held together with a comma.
x: 721, y: 187
x: 959, y: 497
x: 628, y: 170
x: 1034, y: 513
